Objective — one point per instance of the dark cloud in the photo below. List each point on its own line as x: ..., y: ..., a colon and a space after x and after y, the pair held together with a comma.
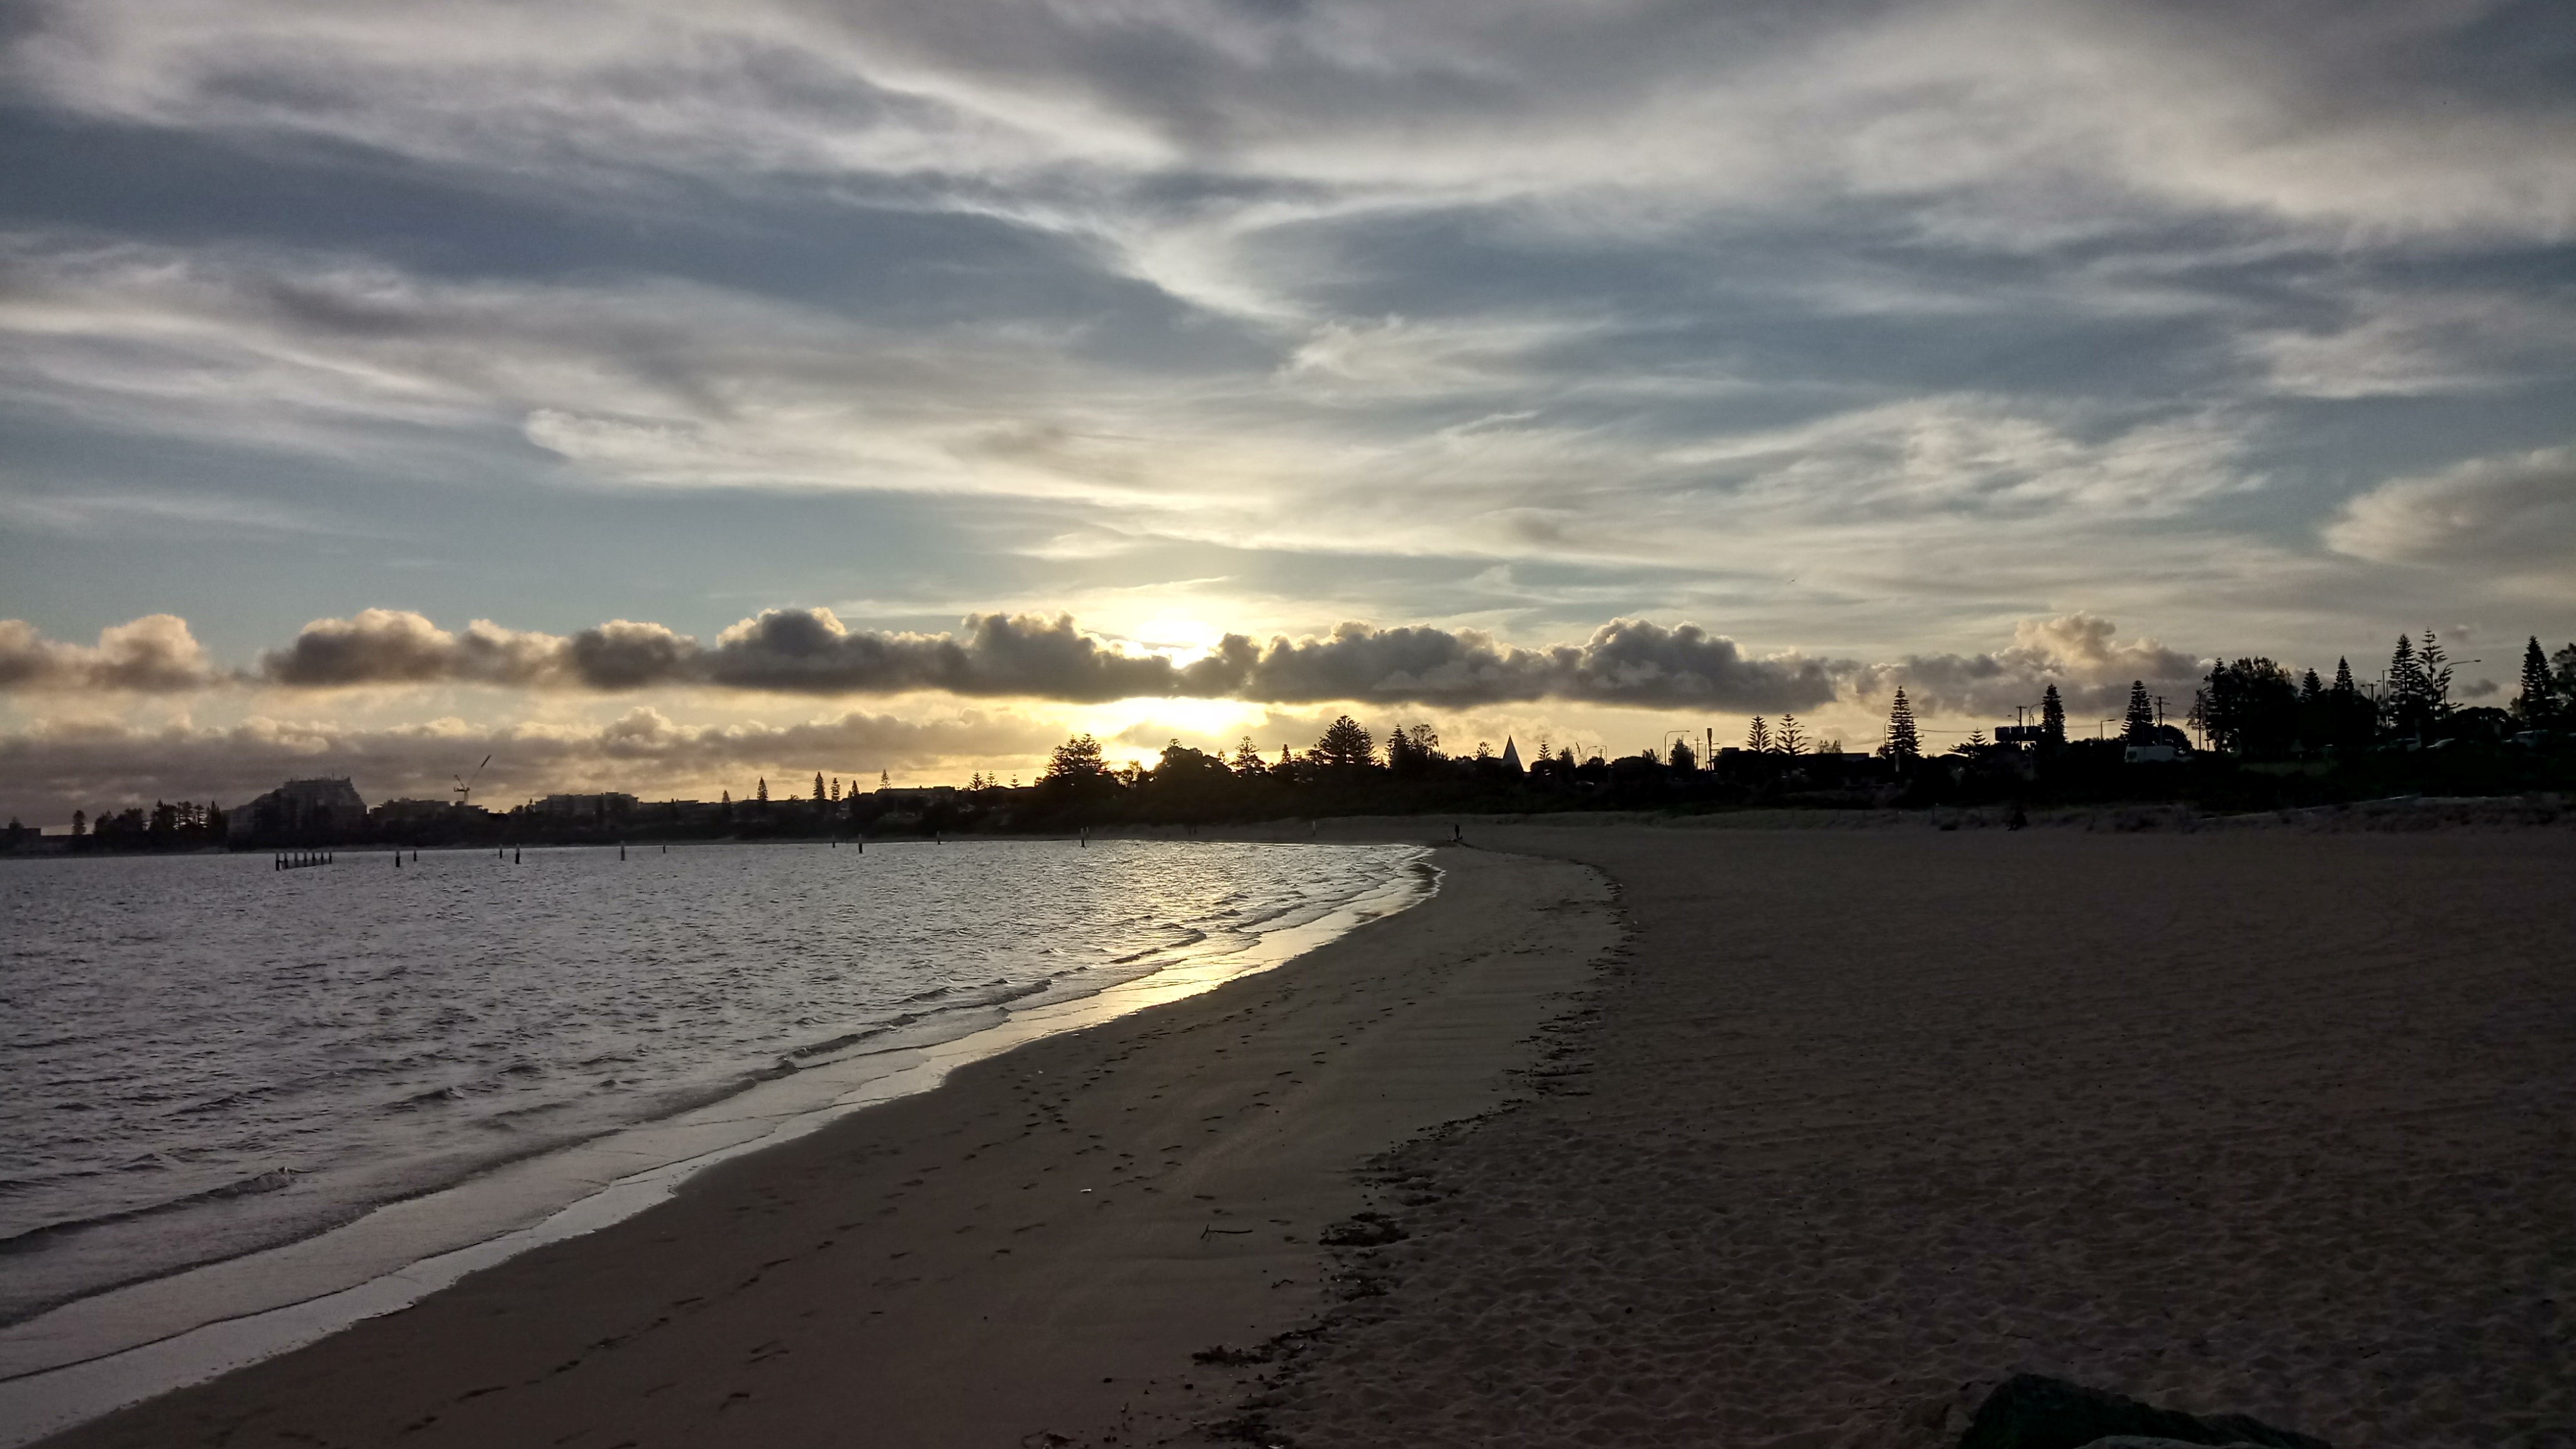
x: 1627, y: 662
x: 154, y: 655
x: 809, y: 651
x: 395, y: 646
x: 2076, y: 652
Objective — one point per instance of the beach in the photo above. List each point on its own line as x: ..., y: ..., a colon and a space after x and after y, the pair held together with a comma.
x: 2259, y: 1120
x: 1039, y: 1246
x: 1633, y: 1135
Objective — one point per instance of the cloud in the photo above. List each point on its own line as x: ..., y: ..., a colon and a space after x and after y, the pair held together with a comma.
x: 2077, y: 652
x: 1625, y: 662
x: 809, y: 651
x: 2514, y: 514
x: 2451, y: 340
x: 58, y: 767
x: 393, y: 646
x: 154, y: 654
x: 1629, y: 662
x: 1984, y: 114
x: 1862, y: 324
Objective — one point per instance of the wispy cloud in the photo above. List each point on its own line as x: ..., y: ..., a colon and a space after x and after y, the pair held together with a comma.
x: 2513, y: 516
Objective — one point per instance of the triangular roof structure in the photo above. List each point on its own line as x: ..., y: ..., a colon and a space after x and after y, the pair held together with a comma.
x: 1511, y: 754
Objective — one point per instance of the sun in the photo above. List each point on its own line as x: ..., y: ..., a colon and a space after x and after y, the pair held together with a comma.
x: 1181, y: 638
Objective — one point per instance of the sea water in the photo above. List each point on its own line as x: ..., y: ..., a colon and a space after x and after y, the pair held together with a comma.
x: 202, y: 1057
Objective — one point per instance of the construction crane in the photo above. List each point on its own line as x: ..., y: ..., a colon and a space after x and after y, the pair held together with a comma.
x: 464, y: 791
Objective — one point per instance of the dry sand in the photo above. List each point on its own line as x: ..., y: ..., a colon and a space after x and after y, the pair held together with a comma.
x: 2252, y: 1121
x: 2265, y: 1122
x: 1033, y: 1252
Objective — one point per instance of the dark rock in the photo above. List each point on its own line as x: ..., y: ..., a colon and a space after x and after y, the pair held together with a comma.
x: 2029, y: 1411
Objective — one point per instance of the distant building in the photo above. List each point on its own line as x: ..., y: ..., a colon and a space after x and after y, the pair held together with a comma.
x: 913, y: 797
x: 607, y: 805
x: 427, y: 812
x: 299, y: 808
x: 1511, y: 755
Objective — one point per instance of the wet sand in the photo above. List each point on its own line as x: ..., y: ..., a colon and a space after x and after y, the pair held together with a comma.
x: 1036, y: 1248
x: 2262, y: 1121
x: 1857, y: 1121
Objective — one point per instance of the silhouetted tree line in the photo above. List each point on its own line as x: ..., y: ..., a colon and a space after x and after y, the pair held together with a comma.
x: 184, y: 825
x: 2274, y: 737
x: 2256, y: 709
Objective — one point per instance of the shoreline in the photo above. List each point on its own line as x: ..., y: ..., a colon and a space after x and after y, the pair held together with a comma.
x: 1358, y: 958
x: 71, y: 1362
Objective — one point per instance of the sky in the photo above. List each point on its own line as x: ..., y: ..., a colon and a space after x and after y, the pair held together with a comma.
x: 663, y: 396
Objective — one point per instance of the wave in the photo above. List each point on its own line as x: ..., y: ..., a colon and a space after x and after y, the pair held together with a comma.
x: 275, y: 1179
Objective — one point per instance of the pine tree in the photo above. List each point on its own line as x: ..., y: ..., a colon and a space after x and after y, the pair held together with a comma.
x: 818, y: 787
x: 2537, y: 705
x: 1758, y: 738
x: 2052, y: 717
x: 2434, y: 666
x: 2139, y: 726
x: 2419, y: 687
x: 2397, y: 702
x: 1399, y: 751
x: 1793, y: 736
x: 1247, y: 759
x: 761, y: 793
x: 836, y: 789
x: 1346, y: 745
x: 1903, y: 746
